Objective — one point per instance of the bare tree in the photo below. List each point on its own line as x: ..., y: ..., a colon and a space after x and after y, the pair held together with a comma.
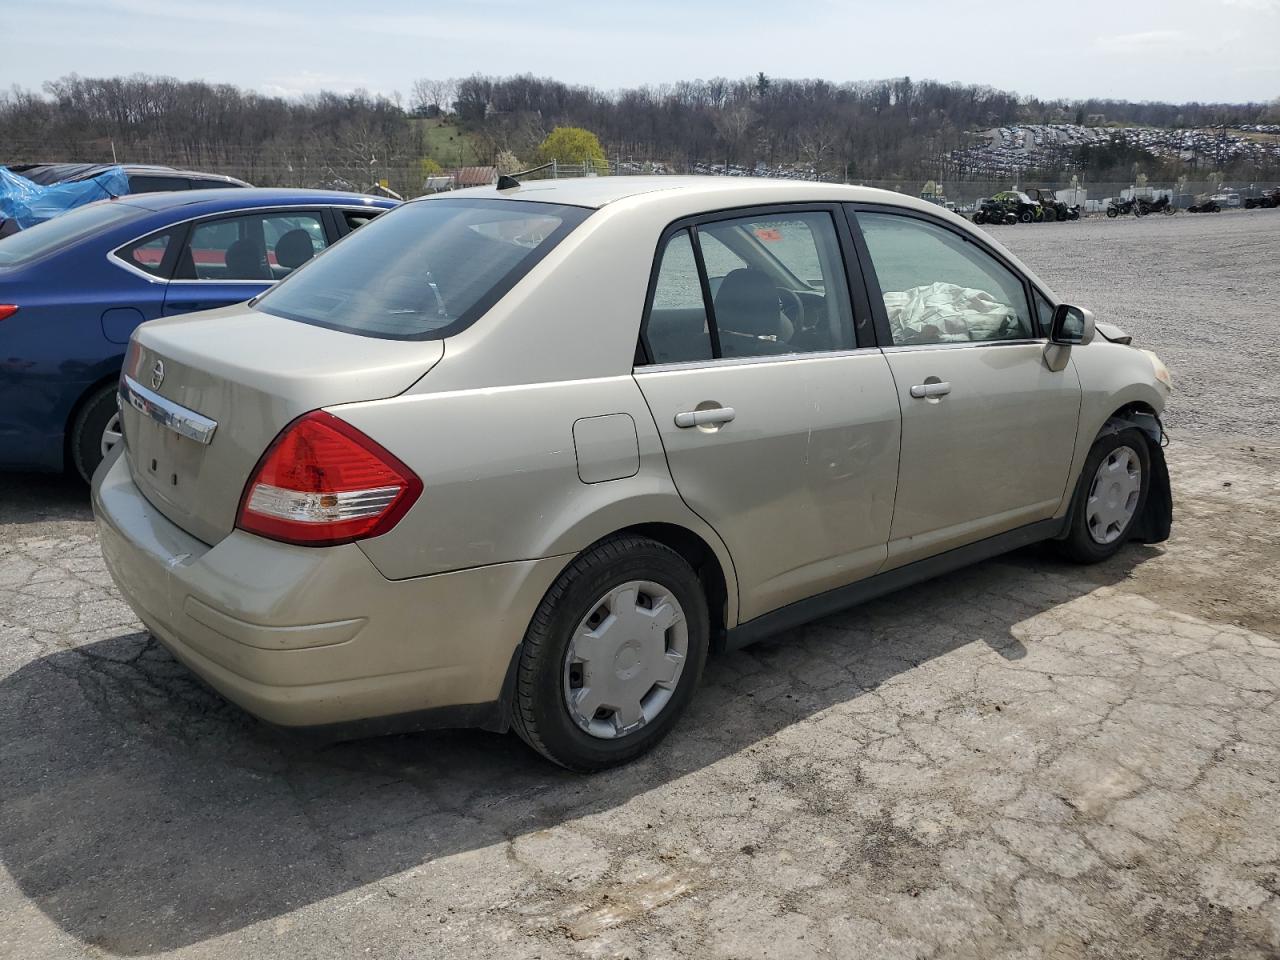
x: 733, y: 124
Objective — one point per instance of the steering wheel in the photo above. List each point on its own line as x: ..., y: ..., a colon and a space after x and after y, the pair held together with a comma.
x: 791, y: 305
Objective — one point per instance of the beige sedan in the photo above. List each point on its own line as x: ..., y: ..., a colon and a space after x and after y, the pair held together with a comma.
x: 523, y: 456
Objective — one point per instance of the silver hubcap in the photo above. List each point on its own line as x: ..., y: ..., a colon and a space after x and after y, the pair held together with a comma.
x: 111, y: 435
x: 625, y: 659
x: 1113, y: 498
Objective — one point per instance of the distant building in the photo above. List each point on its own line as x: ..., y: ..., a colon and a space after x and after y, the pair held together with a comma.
x: 473, y: 176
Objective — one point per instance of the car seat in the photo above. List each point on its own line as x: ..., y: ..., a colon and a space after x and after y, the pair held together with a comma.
x: 294, y: 248
x: 748, y: 316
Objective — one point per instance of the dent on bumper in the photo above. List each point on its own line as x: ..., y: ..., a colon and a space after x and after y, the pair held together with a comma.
x: 306, y: 636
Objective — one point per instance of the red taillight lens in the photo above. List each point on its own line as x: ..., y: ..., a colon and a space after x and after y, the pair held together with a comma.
x: 323, y: 482
x: 7, y: 310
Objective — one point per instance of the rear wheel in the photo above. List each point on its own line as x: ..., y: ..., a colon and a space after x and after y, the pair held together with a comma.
x: 1112, y: 212
x: 1026, y: 216
x: 1109, y: 497
x: 96, y: 431
x: 613, y: 655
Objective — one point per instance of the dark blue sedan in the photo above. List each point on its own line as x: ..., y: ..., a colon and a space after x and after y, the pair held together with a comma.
x: 73, y: 289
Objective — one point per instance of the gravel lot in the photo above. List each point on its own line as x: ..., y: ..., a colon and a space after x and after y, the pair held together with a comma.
x: 1022, y: 760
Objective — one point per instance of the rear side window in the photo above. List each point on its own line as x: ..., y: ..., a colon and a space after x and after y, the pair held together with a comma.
x: 150, y: 183
x: 428, y: 270
x: 777, y: 287
x: 52, y: 235
x: 251, y: 248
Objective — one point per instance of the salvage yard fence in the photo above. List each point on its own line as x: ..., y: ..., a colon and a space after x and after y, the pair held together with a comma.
x: 408, y: 178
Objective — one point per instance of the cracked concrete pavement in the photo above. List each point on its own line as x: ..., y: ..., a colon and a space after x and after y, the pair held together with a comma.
x: 1026, y: 759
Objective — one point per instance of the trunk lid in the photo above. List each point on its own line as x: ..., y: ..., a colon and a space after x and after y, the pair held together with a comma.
x: 251, y: 373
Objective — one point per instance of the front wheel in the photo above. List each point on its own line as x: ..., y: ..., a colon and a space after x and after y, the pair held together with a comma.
x: 96, y: 431
x: 1110, y: 496
x: 1026, y: 216
x: 1112, y: 212
x: 613, y: 655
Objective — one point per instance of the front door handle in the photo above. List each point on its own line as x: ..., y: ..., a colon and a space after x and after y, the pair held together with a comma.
x: 923, y: 390
x: 702, y: 418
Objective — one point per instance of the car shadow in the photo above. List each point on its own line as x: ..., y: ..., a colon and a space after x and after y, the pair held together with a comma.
x: 141, y: 812
x: 42, y: 497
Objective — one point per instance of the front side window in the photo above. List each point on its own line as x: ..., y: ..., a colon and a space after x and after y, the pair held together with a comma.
x: 940, y: 288
x: 251, y: 248
x: 777, y: 286
x: 427, y: 269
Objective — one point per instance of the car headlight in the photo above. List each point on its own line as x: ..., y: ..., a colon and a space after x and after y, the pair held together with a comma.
x: 1161, y: 371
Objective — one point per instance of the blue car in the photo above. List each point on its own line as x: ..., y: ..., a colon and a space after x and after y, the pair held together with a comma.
x: 73, y: 289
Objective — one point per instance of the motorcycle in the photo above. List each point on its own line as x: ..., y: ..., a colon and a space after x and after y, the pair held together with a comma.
x: 1209, y: 206
x: 1163, y: 205
x: 993, y: 212
x: 1073, y: 212
x: 1118, y: 208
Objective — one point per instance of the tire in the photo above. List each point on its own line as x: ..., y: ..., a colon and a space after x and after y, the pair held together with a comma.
x: 545, y: 675
x: 979, y: 218
x: 1026, y: 216
x: 1050, y: 216
x: 1112, y: 212
x: 1083, y: 542
x: 90, y: 437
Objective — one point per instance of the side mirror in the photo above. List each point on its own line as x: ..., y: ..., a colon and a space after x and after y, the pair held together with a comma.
x: 1072, y: 326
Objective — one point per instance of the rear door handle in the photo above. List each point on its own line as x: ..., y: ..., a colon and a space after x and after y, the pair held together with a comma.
x: 701, y: 418
x: 922, y: 390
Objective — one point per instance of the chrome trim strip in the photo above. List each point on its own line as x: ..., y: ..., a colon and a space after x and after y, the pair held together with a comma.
x: 962, y: 344
x: 184, y: 422
x: 752, y: 361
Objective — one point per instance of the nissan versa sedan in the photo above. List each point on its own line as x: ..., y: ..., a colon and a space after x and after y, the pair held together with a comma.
x: 520, y: 457
x: 73, y: 289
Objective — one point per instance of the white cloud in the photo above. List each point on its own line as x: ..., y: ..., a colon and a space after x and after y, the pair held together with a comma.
x: 308, y: 81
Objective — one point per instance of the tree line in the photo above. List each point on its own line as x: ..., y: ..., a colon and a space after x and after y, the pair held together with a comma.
x: 896, y: 128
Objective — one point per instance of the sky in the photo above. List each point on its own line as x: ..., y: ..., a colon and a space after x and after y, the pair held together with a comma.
x: 1173, y: 50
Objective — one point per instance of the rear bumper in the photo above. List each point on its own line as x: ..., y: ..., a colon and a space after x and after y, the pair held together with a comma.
x: 310, y: 637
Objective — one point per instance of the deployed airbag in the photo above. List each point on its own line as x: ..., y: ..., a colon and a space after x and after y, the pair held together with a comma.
x: 946, y: 312
x: 28, y: 203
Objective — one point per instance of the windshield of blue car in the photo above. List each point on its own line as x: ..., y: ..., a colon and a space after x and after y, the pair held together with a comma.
x: 44, y: 238
x: 425, y: 270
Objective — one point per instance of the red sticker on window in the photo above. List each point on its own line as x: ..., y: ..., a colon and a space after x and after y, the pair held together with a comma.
x: 769, y: 234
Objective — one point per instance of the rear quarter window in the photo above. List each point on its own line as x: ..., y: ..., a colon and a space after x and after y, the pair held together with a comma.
x: 425, y: 270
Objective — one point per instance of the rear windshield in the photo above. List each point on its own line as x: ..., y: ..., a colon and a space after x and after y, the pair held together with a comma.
x: 34, y: 242
x: 425, y: 270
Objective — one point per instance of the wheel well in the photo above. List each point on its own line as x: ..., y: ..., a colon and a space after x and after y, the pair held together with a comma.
x: 705, y: 563
x: 68, y: 428
x: 1140, y: 415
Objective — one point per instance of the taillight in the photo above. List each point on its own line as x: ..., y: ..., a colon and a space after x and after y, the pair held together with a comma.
x: 323, y: 482
x: 7, y: 310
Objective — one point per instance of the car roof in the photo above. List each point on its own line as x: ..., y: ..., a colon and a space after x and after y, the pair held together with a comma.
x: 597, y: 192
x: 238, y: 197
